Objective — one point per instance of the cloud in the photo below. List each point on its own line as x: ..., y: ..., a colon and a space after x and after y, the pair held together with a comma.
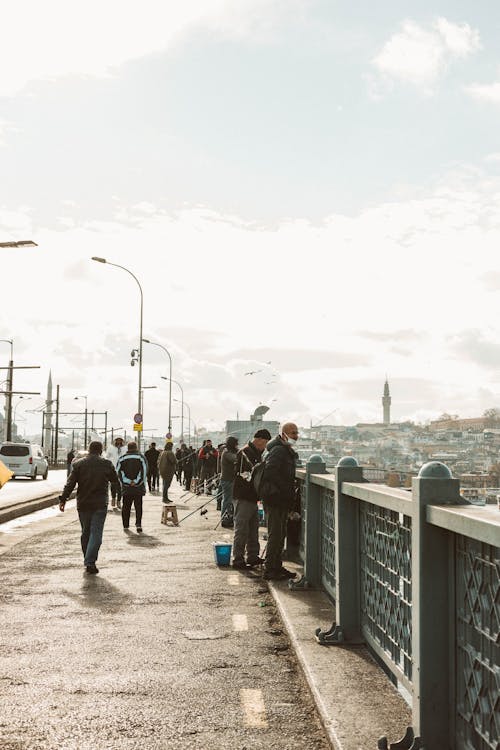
x: 92, y: 38
x: 477, y: 347
x: 487, y: 92
x: 300, y: 360
x: 404, y: 334
x: 421, y: 55
x: 344, y: 301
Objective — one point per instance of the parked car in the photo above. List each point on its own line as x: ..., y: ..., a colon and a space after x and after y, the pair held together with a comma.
x: 24, y: 460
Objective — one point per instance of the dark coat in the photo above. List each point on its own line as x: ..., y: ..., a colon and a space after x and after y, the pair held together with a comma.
x: 92, y: 474
x: 246, y: 458
x: 278, y: 483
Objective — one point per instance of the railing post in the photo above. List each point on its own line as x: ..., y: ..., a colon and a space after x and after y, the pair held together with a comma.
x: 347, y: 626
x: 432, y: 595
x: 312, y: 540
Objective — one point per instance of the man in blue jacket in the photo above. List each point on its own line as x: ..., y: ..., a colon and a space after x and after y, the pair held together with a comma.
x: 132, y: 472
x: 278, y: 493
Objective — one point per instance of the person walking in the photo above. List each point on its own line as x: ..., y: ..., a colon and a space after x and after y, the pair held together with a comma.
x: 208, y: 465
x: 278, y: 492
x: 132, y: 472
x: 187, y: 465
x: 115, y: 452
x: 92, y: 474
x: 178, y: 458
x: 167, y: 464
x: 152, y: 455
x: 227, y: 464
x: 246, y: 514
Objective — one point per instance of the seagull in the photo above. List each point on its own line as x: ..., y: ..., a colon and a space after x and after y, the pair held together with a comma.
x: 252, y: 372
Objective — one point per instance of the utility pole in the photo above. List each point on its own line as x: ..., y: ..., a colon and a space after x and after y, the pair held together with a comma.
x: 9, y: 392
x: 57, y: 425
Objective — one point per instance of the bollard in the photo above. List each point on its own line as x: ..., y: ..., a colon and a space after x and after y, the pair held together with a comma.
x: 432, y: 597
x: 347, y: 625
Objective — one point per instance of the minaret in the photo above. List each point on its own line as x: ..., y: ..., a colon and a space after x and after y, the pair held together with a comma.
x: 386, y: 403
x: 47, y: 438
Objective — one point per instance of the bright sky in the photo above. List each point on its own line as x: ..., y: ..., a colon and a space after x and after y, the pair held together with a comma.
x: 304, y: 182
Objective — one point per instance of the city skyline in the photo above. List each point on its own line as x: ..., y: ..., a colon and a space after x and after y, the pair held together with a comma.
x: 292, y: 182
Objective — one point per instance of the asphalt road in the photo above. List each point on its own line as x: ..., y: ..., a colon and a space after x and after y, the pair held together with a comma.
x: 162, y: 649
x: 18, y: 490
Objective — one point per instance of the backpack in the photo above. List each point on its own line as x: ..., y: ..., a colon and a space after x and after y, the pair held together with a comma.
x: 256, y: 477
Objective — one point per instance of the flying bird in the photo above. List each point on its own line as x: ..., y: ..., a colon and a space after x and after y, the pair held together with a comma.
x: 252, y: 372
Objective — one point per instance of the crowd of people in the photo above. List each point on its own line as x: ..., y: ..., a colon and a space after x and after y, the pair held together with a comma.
x: 239, y: 479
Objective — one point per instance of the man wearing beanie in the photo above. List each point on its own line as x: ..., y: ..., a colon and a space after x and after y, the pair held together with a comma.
x: 246, y: 515
x: 278, y: 491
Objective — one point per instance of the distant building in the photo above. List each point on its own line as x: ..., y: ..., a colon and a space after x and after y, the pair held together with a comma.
x: 244, y: 429
x: 386, y: 403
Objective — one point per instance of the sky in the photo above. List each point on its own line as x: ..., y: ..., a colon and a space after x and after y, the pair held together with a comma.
x: 307, y: 190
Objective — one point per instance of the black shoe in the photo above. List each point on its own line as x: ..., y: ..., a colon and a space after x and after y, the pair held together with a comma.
x: 139, y: 529
x: 255, y: 562
x: 286, y: 573
x: 91, y: 569
x: 227, y: 525
x: 240, y: 565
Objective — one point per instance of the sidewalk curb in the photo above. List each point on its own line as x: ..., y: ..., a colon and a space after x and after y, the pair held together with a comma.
x: 325, y: 719
x: 25, y: 507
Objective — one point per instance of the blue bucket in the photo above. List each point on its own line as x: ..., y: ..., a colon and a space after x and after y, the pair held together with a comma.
x: 222, y: 553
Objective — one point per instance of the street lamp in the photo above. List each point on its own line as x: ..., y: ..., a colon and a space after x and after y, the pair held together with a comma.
x: 182, y: 397
x: 86, y: 412
x: 103, y: 260
x: 153, y: 343
x: 15, y: 407
x: 185, y: 403
x: 19, y: 243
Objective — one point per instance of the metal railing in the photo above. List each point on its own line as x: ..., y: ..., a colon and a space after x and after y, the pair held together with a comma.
x: 416, y: 575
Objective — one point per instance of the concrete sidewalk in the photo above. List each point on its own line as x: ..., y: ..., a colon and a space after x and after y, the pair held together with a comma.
x: 163, y: 649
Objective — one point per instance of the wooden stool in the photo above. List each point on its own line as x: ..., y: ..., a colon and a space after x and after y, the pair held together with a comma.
x: 169, y: 515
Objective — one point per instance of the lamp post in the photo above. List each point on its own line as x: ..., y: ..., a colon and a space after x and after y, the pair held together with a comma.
x: 153, y: 343
x: 86, y: 413
x: 183, y: 404
x: 182, y: 401
x: 15, y: 407
x: 139, y: 357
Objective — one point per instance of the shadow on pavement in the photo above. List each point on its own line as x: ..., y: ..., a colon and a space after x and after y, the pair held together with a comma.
x: 97, y: 592
x: 144, y: 540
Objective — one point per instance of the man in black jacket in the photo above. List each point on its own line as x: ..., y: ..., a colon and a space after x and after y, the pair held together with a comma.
x: 152, y: 456
x: 246, y: 514
x: 278, y: 491
x: 92, y: 474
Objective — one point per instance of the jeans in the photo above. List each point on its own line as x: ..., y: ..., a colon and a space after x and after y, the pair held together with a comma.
x: 126, y: 508
x: 153, y: 479
x: 92, y: 523
x: 276, y: 533
x: 226, y: 488
x: 116, y: 495
x: 246, y: 531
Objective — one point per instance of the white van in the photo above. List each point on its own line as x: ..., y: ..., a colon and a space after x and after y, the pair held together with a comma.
x: 24, y: 459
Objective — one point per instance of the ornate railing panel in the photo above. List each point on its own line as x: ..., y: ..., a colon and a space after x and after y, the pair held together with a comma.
x: 478, y: 645
x: 386, y: 597
x: 328, y: 540
x: 303, y: 516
